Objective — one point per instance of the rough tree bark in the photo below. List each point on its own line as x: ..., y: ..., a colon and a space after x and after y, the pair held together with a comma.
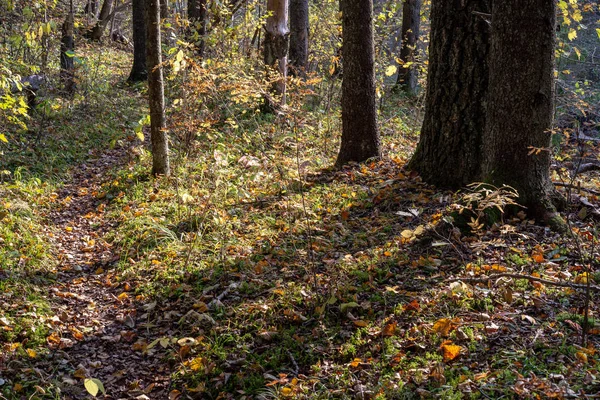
x: 360, y: 138
x: 449, y: 149
x: 139, y: 71
x: 67, y: 45
x: 521, y: 103
x: 411, y: 21
x: 298, y: 37
x: 276, y: 49
x: 197, y: 15
x: 156, y: 93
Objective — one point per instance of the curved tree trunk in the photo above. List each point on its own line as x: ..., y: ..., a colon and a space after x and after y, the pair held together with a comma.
x: 103, y: 20
x: 156, y: 94
x: 138, y: 70
x: 197, y: 13
x: 298, y: 36
x: 411, y: 21
x: 449, y: 149
x: 360, y: 138
x: 521, y: 102
x: 276, y: 49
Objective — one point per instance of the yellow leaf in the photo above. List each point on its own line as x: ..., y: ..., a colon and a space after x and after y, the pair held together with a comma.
x: 360, y: 323
x: 31, y: 353
x: 3, y: 138
x: 18, y: 387
x: 196, y: 364
x: 450, y: 351
x: 581, y: 357
x: 123, y: 296
x: 286, y: 391
x: 442, y: 326
x: 391, y: 70
x: 140, y: 135
x: 407, y: 234
x: 572, y: 34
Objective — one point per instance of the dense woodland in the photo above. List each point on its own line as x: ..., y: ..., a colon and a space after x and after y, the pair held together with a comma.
x: 313, y: 199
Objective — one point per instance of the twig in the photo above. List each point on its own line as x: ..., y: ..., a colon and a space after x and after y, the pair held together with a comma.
x: 296, y: 370
x: 529, y: 278
x: 571, y: 186
x: 220, y: 297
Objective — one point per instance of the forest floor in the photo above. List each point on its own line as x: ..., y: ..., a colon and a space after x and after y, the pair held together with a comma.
x: 259, y: 272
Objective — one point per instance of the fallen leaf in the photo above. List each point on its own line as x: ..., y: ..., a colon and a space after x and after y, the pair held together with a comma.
x: 450, y: 351
x: 442, y: 326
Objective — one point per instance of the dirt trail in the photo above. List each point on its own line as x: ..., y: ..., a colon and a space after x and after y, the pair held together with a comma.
x: 97, y: 323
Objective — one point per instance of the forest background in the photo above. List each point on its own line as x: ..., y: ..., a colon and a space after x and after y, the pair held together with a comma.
x: 263, y: 266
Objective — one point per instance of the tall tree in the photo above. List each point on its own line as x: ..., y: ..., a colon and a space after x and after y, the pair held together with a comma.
x: 521, y: 103
x: 197, y: 13
x: 276, y: 48
x: 298, y: 36
x: 449, y: 149
x: 138, y: 70
x: 411, y: 22
x: 156, y: 91
x: 360, y: 137
x: 67, y: 45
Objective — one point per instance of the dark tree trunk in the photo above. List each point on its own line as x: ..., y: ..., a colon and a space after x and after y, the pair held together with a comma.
x: 67, y: 46
x: 521, y: 103
x: 164, y: 8
x: 411, y: 21
x: 197, y: 15
x: 91, y: 8
x: 449, y: 149
x: 298, y: 37
x: 156, y: 93
x: 103, y: 20
x: 276, y: 49
x: 360, y: 138
x: 139, y: 72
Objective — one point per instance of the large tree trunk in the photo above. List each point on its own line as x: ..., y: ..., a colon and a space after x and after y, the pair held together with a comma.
x: 449, y: 149
x: 197, y: 15
x: 411, y: 22
x: 360, y: 138
x: 521, y: 102
x: 67, y: 45
x: 156, y: 93
x: 298, y: 36
x: 103, y: 20
x: 276, y: 49
x: 138, y: 70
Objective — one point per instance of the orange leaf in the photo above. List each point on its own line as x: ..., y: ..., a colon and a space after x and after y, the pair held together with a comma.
x: 412, y: 306
x: 360, y: 323
x: 356, y: 362
x: 442, y: 326
x: 450, y: 351
x: 389, y: 329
